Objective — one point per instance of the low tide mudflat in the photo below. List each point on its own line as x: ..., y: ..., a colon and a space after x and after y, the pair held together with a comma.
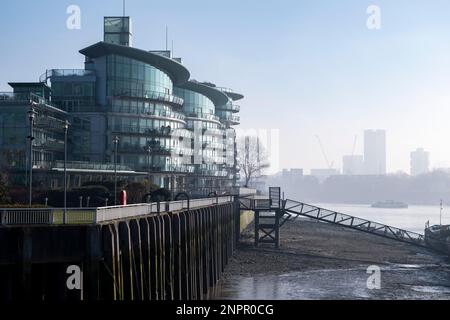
x: 322, y: 261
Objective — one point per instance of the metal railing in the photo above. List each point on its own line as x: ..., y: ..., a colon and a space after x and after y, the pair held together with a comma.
x: 297, y: 208
x: 65, y: 73
x: 232, y: 118
x: 91, y: 216
x: 90, y: 166
x: 230, y: 107
x: 47, y: 216
x: 148, y: 95
x: 204, y: 116
x: 254, y: 203
x: 142, y: 111
x: 151, y: 132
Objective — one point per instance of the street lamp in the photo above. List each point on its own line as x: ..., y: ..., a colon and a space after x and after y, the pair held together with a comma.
x: 66, y: 128
x: 31, y: 117
x: 149, y: 154
x: 116, y: 143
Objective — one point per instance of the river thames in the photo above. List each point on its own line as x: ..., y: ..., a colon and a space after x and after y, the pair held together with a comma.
x: 322, y: 261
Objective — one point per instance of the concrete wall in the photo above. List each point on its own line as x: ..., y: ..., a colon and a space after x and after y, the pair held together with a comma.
x: 169, y: 256
x: 247, y: 217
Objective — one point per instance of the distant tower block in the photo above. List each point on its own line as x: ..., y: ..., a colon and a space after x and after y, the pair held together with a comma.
x: 420, y: 162
x: 117, y: 30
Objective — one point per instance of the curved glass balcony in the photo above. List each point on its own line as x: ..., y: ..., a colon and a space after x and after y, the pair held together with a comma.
x: 150, y: 95
x: 203, y: 116
x: 236, y: 108
x: 158, y: 113
x: 164, y: 132
x: 65, y: 73
x: 231, y: 119
x: 230, y: 107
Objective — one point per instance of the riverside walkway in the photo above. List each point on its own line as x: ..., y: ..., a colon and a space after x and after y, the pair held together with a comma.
x: 158, y: 251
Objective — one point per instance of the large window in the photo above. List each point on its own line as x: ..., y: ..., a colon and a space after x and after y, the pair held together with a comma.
x: 135, y: 78
x: 195, y: 103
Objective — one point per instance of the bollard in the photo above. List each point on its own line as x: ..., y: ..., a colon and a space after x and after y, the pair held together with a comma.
x: 81, y: 201
x: 46, y: 202
x: 87, y: 201
x: 106, y: 202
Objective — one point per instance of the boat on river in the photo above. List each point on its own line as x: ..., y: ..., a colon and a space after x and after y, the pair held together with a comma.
x: 390, y: 204
x: 438, y: 237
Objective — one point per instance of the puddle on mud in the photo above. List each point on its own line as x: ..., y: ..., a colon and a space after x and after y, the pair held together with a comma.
x: 397, y: 282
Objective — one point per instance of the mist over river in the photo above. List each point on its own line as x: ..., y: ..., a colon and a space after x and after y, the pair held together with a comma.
x: 411, y: 219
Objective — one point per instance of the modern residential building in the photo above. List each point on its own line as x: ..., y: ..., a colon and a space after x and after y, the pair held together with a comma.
x: 137, y: 106
x: 420, y: 162
x: 374, y: 152
x: 353, y: 165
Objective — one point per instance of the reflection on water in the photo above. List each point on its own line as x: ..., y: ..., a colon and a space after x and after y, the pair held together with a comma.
x: 412, y: 218
x: 341, y: 284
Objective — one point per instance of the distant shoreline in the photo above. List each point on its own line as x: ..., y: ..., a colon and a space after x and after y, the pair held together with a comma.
x: 368, y: 205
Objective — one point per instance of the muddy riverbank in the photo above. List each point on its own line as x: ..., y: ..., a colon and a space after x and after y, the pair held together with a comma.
x: 322, y: 261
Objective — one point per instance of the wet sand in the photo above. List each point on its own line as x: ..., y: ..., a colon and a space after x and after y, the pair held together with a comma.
x: 323, y: 261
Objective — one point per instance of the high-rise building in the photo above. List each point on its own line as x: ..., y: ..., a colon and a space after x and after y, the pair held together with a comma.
x: 420, y: 162
x: 375, y: 152
x: 137, y: 106
x: 353, y: 165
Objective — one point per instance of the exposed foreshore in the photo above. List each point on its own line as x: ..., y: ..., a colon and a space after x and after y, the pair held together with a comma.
x: 322, y: 261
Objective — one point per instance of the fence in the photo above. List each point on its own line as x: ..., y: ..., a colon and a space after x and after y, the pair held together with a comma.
x: 76, y: 216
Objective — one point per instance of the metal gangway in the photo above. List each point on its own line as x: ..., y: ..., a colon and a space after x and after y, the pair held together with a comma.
x: 292, y: 209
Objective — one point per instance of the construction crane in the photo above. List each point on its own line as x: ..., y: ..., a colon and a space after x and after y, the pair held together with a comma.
x: 330, y: 165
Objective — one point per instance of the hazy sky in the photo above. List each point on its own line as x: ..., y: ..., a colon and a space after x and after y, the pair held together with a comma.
x: 306, y: 67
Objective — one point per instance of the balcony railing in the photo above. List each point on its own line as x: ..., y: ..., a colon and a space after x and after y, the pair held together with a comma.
x: 158, y: 113
x: 149, y: 95
x: 139, y: 149
x: 230, y: 107
x: 211, y: 173
x: 90, y: 166
x: 235, y: 108
x: 167, y: 133
x: 169, y: 168
x: 232, y: 119
x: 206, y: 116
x: 65, y: 73
x: 10, y: 96
x: 21, y: 97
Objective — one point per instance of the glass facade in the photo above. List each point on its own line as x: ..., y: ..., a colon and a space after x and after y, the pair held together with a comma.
x: 129, y: 77
x: 178, y: 135
x: 117, y: 30
x: 195, y: 104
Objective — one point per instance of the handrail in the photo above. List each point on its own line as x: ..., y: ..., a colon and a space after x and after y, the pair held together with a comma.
x: 296, y: 208
x: 92, y: 216
x: 330, y: 216
x: 64, y: 73
x: 148, y: 95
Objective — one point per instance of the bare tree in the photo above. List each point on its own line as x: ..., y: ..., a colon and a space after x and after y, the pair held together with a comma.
x: 253, y: 158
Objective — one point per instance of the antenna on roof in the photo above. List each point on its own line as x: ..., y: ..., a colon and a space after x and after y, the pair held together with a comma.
x: 167, y: 38
x: 172, y: 48
x: 124, y: 6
